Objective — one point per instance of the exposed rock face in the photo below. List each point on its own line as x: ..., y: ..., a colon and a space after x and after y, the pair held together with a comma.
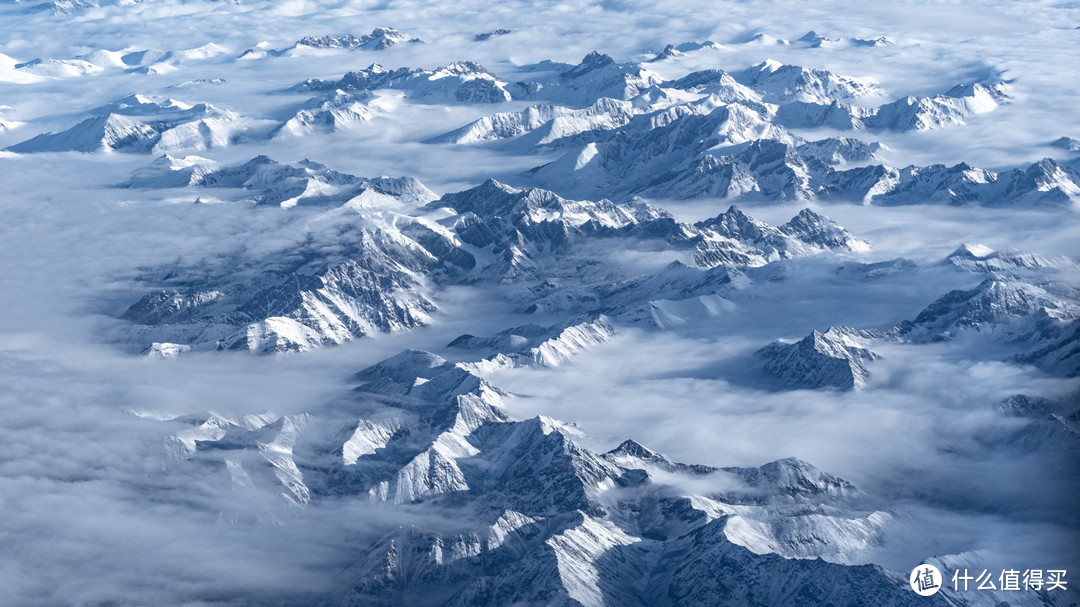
x: 382, y: 260
x: 794, y: 83
x: 372, y: 282
x: 541, y: 518
x: 458, y: 82
x: 820, y: 360
x: 993, y: 304
x: 380, y: 38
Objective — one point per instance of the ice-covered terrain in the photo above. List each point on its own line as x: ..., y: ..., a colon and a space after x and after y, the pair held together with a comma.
x: 327, y: 303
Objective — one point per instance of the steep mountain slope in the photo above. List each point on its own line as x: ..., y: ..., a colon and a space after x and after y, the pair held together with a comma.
x: 363, y: 275
x: 555, y: 121
x: 458, y: 82
x: 595, y: 77
x: 380, y: 38
x: 382, y: 264
x: 834, y: 359
x: 1027, y: 309
x: 686, y: 162
x: 548, y: 520
x: 241, y: 330
x: 782, y: 83
x: 140, y: 124
x: 534, y: 345
x: 950, y: 108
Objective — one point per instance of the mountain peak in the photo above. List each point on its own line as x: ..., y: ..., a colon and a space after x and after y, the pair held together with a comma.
x: 997, y: 301
x: 819, y: 360
x: 769, y: 66
x: 731, y: 218
x: 635, y: 449
x: 668, y: 52
x: 380, y: 38
x: 1067, y: 143
x: 404, y: 366
x: 813, y: 228
x: 972, y: 251
x: 490, y: 197
x: 798, y: 475
x: 591, y: 62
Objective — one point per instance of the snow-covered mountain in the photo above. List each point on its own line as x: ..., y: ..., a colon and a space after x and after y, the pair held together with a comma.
x: 1028, y: 305
x: 726, y: 142
x: 813, y: 39
x: 711, y: 133
x: 1067, y: 143
x: 353, y: 99
x: 534, y: 345
x: 782, y: 83
x: 548, y: 520
x: 533, y: 234
x: 554, y: 121
x: 595, y: 77
x: 952, y: 107
x: 266, y: 181
x: 994, y: 303
x: 62, y: 7
x: 981, y: 259
x: 1051, y: 425
x: 1045, y: 183
x: 684, y: 160
x: 365, y: 274
x: 138, y: 123
x: 836, y: 358
x: 807, y: 233
x: 307, y: 335
x: 394, y: 247
x: 102, y: 61
x: 666, y: 153
x: 380, y: 38
x: 458, y: 82
x: 328, y: 113
x: 65, y: 8
x: 1042, y: 322
x: 1056, y: 350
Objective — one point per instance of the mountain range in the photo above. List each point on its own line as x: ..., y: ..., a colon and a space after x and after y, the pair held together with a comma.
x: 548, y: 520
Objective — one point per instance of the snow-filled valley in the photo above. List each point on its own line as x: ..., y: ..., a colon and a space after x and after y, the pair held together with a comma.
x: 322, y: 302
